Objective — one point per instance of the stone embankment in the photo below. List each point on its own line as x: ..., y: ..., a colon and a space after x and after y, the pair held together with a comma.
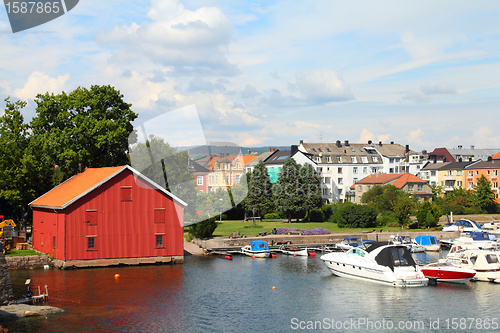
x: 26, y: 262
x: 215, y: 244
x: 25, y: 310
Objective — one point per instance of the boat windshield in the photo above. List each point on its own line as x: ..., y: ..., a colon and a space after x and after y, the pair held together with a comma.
x: 399, y: 257
x: 356, y: 252
x: 491, y: 258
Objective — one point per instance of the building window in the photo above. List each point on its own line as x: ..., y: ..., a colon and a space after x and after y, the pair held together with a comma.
x: 471, y: 173
x: 353, y: 159
x: 433, y: 173
x: 459, y: 183
x: 471, y: 185
x: 477, y: 172
x: 341, y: 181
x: 364, y: 159
x: 365, y: 170
x: 374, y: 159
x: 495, y: 172
x: 91, y: 243
x: 159, y: 240
x: 459, y: 172
x: 199, y: 180
x: 159, y: 215
x: 420, y: 188
x: 237, y: 179
x: 328, y: 159
x: 360, y: 188
x: 355, y: 170
x: 126, y: 193
x: 91, y: 217
x: 410, y: 188
x: 339, y: 171
x: 495, y: 184
x: 339, y: 159
x: 487, y: 172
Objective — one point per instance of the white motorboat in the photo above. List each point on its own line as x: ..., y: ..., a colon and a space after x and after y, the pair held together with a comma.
x: 379, y: 263
x: 406, y: 240
x: 349, y: 242
x: 257, y: 249
x: 478, y: 239
x: 486, y: 263
x: 462, y: 225
x: 446, y: 272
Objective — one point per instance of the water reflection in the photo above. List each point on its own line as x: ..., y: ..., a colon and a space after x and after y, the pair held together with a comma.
x: 213, y: 294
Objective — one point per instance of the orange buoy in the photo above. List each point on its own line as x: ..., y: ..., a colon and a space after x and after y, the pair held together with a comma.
x: 117, y: 276
x: 295, y: 254
x: 229, y: 257
x: 312, y: 254
x: 273, y: 255
x: 274, y: 287
x: 253, y: 257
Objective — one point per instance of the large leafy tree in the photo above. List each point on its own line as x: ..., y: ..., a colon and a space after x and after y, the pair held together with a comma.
x: 260, y: 195
x: 85, y: 128
x: 288, y: 189
x: 310, y: 189
x: 484, y: 195
x: 23, y: 175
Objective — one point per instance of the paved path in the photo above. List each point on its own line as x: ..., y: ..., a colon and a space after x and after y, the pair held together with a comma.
x: 192, y: 249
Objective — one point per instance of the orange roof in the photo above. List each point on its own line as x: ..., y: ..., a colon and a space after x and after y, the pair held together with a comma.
x: 75, y: 187
x: 400, y: 179
x: 407, y: 178
x: 496, y: 156
x: 244, y: 158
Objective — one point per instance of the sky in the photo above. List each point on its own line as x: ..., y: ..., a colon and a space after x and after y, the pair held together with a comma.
x: 259, y: 73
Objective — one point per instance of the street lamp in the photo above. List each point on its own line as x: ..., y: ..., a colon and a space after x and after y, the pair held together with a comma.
x: 220, y: 218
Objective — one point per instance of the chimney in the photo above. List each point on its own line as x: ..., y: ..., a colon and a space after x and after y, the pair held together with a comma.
x: 407, y: 148
x: 369, y: 142
x: 293, y: 149
x: 301, y: 142
x: 346, y: 143
x: 470, y: 159
x: 380, y: 143
x: 392, y: 142
x: 471, y: 147
x: 460, y: 159
x: 339, y: 144
x: 490, y: 158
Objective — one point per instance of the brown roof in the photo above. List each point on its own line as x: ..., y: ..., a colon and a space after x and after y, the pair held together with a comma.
x: 397, y: 179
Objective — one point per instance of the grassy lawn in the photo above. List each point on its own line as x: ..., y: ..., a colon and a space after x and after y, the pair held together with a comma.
x: 226, y: 228
x: 20, y: 253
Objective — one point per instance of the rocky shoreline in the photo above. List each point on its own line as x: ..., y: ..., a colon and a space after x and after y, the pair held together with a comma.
x: 13, y: 311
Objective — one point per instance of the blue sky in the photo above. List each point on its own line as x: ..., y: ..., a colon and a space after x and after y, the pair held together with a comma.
x: 422, y: 73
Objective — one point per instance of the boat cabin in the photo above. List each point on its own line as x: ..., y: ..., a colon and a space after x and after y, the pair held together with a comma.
x: 426, y: 240
x: 257, y: 245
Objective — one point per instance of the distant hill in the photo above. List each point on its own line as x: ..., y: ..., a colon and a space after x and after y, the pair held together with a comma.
x: 231, y: 150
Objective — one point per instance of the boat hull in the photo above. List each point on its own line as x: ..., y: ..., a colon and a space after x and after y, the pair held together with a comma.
x: 365, y: 271
x: 448, y: 274
x: 257, y: 254
x: 302, y: 253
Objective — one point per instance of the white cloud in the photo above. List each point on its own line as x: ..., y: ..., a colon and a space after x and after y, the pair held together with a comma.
x: 323, y: 85
x: 39, y: 83
x: 189, y: 41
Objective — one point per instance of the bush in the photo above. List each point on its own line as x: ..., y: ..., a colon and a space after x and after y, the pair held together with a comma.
x: 356, y: 216
x: 272, y: 216
x: 387, y: 219
x: 203, y: 229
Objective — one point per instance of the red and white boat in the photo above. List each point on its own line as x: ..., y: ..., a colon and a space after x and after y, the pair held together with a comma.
x: 446, y: 272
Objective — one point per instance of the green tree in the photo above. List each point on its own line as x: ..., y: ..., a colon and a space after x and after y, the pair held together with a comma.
x: 484, y: 195
x: 383, y: 198
x: 260, y: 194
x: 23, y: 176
x: 85, y: 128
x: 288, y: 188
x: 351, y: 215
x: 403, y: 207
x: 310, y: 189
x: 203, y: 229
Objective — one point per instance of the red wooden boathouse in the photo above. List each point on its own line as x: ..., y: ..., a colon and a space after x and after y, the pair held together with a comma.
x: 109, y: 216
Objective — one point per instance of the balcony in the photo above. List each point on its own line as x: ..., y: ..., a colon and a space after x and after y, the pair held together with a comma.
x: 447, y: 177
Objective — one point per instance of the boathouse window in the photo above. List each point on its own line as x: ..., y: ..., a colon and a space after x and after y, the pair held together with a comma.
x: 126, y: 193
x: 159, y: 215
x: 159, y: 240
x: 91, y: 243
x: 91, y: 217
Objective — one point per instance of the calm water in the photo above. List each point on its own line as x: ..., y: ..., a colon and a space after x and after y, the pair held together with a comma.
x: 217, y: 295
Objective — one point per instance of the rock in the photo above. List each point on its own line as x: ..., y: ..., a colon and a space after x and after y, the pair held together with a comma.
x: 25, y: 310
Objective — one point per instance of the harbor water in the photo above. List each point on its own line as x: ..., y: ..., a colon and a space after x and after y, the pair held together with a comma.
x: 286, y: 294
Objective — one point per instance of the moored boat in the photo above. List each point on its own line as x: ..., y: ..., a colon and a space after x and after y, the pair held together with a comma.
x: 406, y: 240
x: 446, y: 272
x: 349, y: 242
x: 257, y: 249
x: 294, y: 251
x: 379, y: 263
x: 485, y: 263
x: 429, y: 242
